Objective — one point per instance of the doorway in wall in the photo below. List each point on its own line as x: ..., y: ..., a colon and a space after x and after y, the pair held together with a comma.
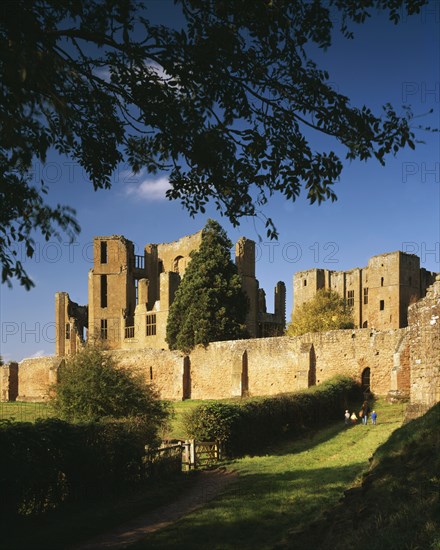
x: 365, y: 380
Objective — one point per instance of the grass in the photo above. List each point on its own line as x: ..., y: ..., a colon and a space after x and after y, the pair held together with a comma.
x: 397, y: 506
x: 290, y: 497
x: 177, y: 430
x: 23, y: 411
x: 290, y: 486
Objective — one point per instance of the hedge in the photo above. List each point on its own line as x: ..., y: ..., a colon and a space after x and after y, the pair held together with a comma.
x: 245, y: 427
x: 46, y: 463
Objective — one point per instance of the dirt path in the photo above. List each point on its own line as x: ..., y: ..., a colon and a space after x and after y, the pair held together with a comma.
x: 208, y: 485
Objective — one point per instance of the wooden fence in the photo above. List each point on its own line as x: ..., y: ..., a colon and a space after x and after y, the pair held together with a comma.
x: 194, y: 454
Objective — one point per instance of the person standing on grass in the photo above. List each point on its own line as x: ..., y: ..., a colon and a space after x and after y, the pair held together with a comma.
x: 347, y: 418
x: 365, y: 411
x: 353, y: 418
x: 374, y: 417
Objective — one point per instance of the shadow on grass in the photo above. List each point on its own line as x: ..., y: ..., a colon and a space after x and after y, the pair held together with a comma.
x: 258, y: 510
x: 76, y: 522
x: 302, y: 441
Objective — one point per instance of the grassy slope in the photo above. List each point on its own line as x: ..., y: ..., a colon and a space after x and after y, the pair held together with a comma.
x: 397, y: 506
x: 290, y: 485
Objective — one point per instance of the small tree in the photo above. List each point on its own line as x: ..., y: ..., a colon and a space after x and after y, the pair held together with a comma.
x: 325, y: 311
x: 91, y: 387
x: 209, y: 304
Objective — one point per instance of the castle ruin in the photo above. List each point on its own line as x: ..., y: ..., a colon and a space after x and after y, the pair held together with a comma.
x: 379, y: 294
x: 130, y: 295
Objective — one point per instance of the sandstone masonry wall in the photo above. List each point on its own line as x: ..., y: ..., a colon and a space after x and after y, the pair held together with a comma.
x: 402, y: 362
x: 424, y: 329
x: 35, y: 376
x: 9, y: 382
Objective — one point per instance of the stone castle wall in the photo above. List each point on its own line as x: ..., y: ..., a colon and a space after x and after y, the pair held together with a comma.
x: 403, y: 363
x: 265, y: 366
x: 424, y: 331
x: 9, y: 382
x: 35, y: 376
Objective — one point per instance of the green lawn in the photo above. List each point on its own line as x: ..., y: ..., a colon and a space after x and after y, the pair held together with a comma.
x: 23, y: 412
x: 288, y: 487
x: 176, y: 430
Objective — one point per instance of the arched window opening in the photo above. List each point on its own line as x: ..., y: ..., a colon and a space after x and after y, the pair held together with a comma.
x: 178, y: 265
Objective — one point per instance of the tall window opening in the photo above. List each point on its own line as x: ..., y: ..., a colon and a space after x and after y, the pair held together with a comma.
x: 382, y: 305
x: 103, y: 252
x: 350, y: 298
x: 365, y: 295
x: 151, y: 324
x: 103, y: 290
x: 381, y: 281
x: 178, y: 264
x: 104, y: 332
x: 67, y: 331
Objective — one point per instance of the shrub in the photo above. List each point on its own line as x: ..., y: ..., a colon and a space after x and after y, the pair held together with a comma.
x: 49, y: 462
x: 245, y: 427
x: 212, y: 421
x: 91, y: 388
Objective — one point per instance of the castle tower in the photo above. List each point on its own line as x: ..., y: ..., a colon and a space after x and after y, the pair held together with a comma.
x: 70, y: 323
x: 245, y: 261
x: 112, y: 289
x: 392, y: 283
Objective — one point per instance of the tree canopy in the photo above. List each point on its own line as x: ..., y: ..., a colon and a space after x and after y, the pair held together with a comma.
x: 209, y: 304
x: 325, y: 311
x: 91, y: 387
x: 222, y: 103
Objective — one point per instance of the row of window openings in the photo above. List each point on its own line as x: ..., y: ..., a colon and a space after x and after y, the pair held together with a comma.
x: 150, y: 328
x: 350, y: 299
x: 381, y: 284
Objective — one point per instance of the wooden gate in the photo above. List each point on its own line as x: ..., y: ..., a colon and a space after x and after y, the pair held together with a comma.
x: 199, y: 454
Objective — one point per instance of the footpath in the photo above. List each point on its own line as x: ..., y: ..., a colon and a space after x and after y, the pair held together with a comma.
x: 210, y: 484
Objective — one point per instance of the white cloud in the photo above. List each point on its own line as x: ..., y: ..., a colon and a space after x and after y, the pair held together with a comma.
x: 39, y: 353
x: 150, y: 189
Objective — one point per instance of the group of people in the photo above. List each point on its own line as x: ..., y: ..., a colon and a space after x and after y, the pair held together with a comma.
x: 363, y: 414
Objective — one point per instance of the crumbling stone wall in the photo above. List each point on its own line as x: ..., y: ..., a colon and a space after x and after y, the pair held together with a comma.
x: 162, y: 368
x: 265, y: 366
x: 379, y: 293
x: 35, y: 376
x: 402, y: 362
x: 424, y: 330
x: 9, y: 381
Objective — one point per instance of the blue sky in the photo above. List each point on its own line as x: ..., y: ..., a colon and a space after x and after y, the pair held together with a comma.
x: 379, y: 209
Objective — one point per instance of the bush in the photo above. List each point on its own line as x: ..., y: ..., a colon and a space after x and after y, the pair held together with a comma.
x: 246, y: 427
x: 49, y: 462
x: 91, y: 388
